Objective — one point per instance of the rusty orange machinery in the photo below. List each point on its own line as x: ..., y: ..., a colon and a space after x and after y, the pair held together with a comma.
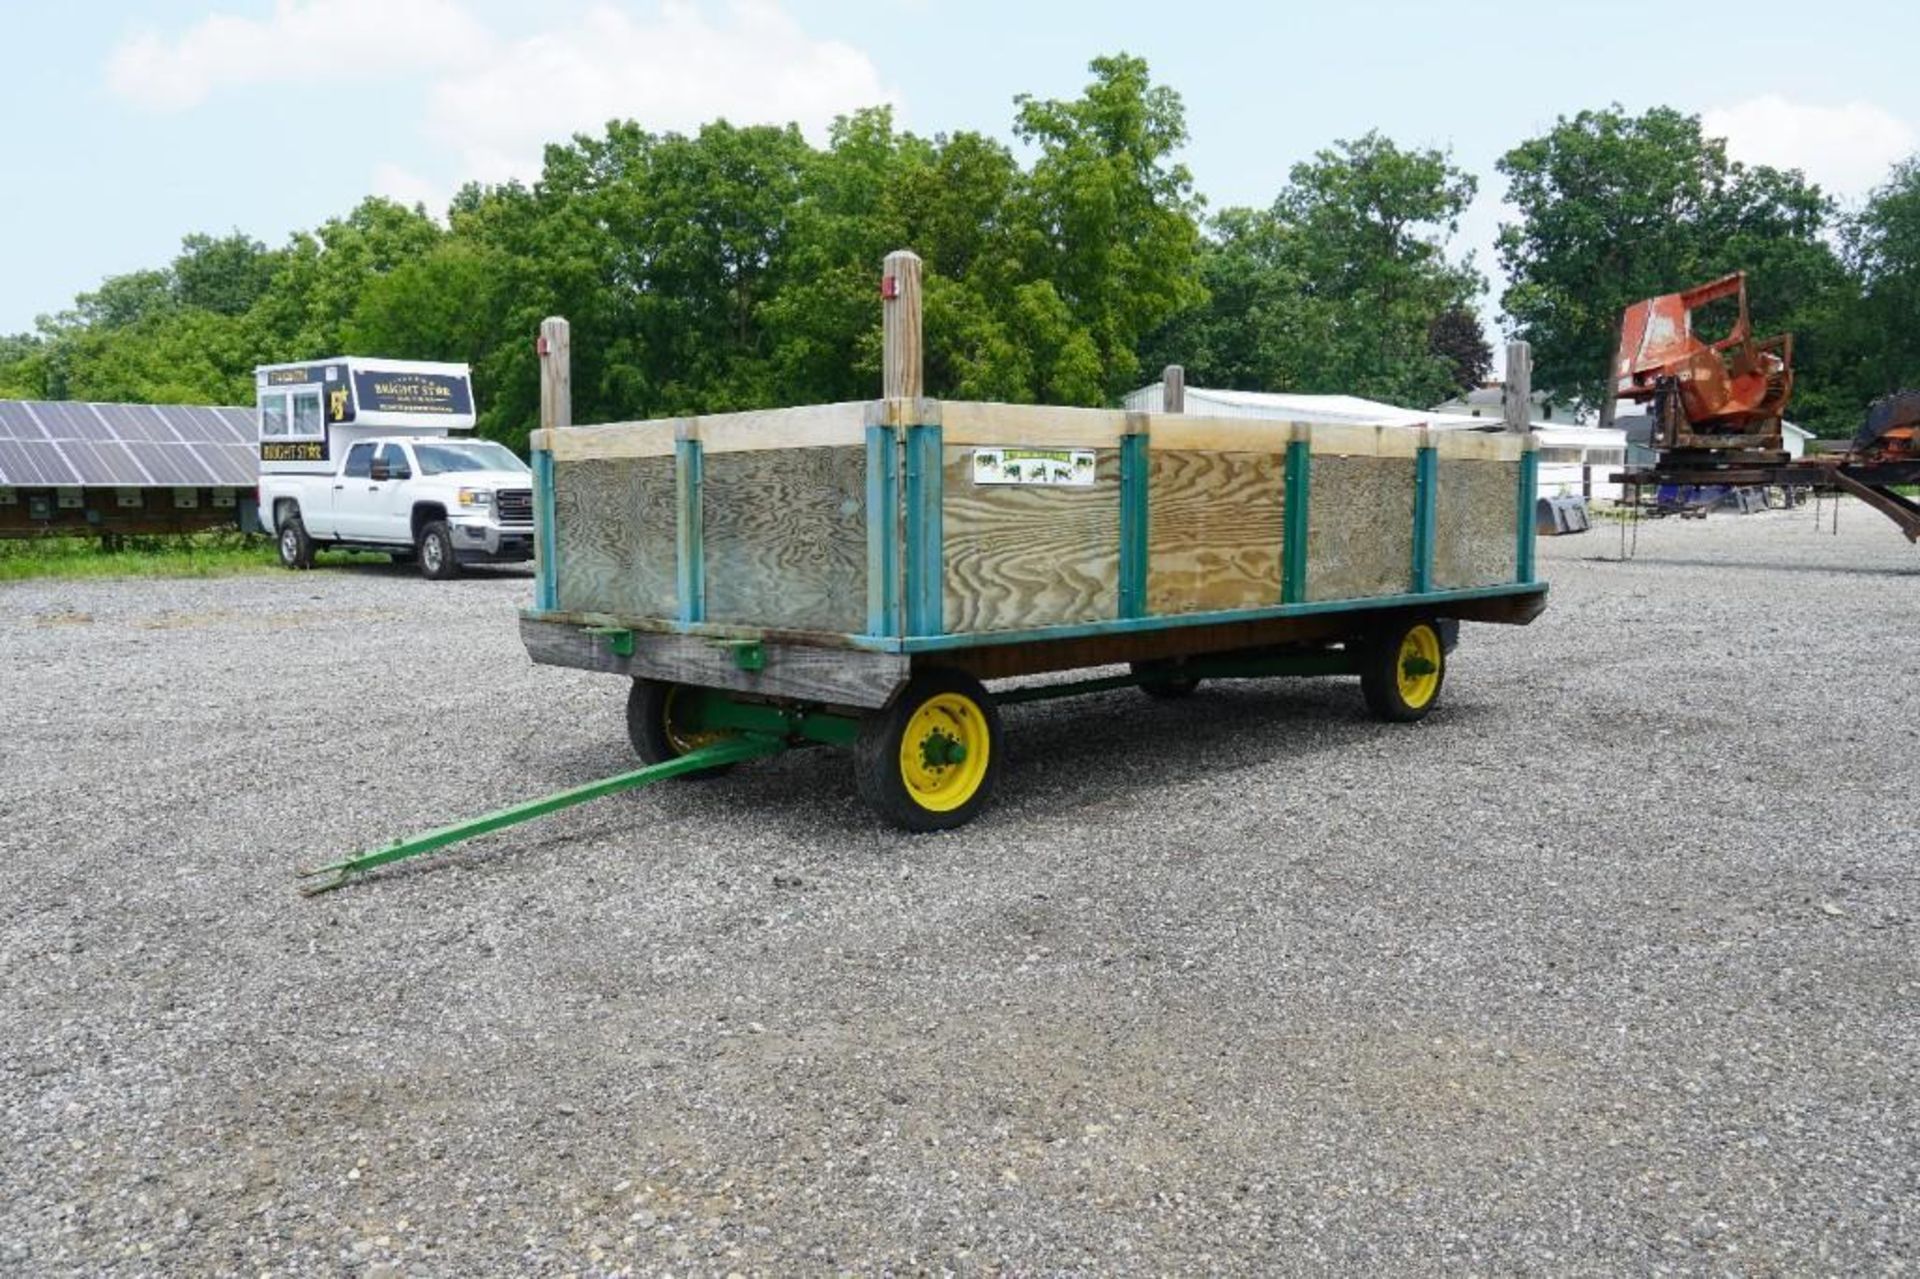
x: 1892, y: 429
x: 1718, y: 397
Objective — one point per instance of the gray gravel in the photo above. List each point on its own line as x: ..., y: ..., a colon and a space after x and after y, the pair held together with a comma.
x: 1608, y: 967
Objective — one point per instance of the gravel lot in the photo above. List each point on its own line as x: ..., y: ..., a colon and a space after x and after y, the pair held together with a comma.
x: 1608, y: 967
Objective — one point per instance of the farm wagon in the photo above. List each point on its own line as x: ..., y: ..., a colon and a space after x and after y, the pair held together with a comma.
x: 855, y: 573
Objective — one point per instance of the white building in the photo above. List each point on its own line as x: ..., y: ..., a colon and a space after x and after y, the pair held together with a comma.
x: 1487, y: 401
x: 1574, y: 459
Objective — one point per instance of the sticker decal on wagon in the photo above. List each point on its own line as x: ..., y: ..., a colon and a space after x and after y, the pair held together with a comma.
x: 1066, y: 468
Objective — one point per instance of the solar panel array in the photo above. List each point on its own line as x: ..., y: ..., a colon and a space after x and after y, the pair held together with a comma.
x: 67, y: 443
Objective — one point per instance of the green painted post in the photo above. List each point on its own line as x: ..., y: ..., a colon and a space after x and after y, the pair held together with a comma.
x: 883, y: 532
x: 1426, y: 493
x: 1293, y: 550
x: 1524, y: 534
x: 546, y: 583
x: 1135, y: 523
x: 689, y: 538
x: 926, y: 586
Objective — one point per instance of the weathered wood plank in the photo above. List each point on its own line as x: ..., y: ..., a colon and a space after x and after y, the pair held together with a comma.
x: 1214, y: 530
x: 1359, y: 527
x: 786, y: 539
x: 1230, y: 434
x: 835, y: 676
x: 1030, y: 555
x: 1474, y: 537
x: 810, y: 426
x: 1036, y: 425
x: 1478, y: 446
x: 611, y: 441
x: 614, y: 521
x: 1341, y: 440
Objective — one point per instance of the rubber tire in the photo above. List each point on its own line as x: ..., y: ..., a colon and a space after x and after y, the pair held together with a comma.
x: 446, y: 566
x: 876, y: 754
x: 1380, y: 675
x: 1167, y: 685
x: 647, y: 705
x: 296, y: 548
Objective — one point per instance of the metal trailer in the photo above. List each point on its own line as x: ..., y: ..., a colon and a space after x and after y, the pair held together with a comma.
x: 855, y: 575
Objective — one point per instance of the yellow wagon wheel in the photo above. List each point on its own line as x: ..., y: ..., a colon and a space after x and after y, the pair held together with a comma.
x: 657, y: 733
x: 1403, y: 669
x: 929, y: 760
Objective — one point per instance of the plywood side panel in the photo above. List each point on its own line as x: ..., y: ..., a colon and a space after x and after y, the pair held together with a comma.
x: 1360, y: 527
x: 1030, y: 555
x: 614, y: 527
x: 786, y: 538
x: 1214, y: 530
x: 1473, y: 532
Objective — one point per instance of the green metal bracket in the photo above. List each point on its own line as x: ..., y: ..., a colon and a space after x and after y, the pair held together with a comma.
x: 1135, y: 523
x: 619, y: 639
x: 748, y: 655
x: 734, y: 750
x: 1293, y: 544
x: 705, y: 710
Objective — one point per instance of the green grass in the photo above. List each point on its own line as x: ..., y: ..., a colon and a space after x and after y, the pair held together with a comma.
x: 215, y: 554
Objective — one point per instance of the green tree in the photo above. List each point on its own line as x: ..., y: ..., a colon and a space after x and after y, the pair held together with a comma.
x: 226, y: 275
x: 1108, y: 215
x: 1883, y: 245
x: 1337, y: 287
x: 1456, y: 337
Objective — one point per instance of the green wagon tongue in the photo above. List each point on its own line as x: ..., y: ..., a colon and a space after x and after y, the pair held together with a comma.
x: 733, y: 750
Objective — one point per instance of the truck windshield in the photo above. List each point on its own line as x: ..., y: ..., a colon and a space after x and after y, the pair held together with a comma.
x: 467, y: 455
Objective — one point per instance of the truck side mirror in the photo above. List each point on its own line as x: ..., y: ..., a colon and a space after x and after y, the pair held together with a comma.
x: 377, y: 470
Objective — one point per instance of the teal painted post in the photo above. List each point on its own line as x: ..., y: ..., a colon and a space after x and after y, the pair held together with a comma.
x: 926, y: 586
x: 1293, y: 550
x: 883, y: 532
x: 1529, y: 488
x: 546, y: 575
x: 689, y: 538
x: 1426, y: 492
x: 1135, y: 520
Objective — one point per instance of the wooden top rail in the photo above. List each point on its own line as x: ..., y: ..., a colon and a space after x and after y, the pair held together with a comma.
x: 966, y: 423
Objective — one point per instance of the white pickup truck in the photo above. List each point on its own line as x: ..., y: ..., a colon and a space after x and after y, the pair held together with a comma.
x: 447, y: 502
x: 355, y: 454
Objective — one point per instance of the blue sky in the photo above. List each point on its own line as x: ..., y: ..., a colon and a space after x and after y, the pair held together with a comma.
x: 136, y: 123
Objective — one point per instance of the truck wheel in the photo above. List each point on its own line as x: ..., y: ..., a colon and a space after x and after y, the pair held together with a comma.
x: 1402, y: 669
x: 1163, y: 680
x: 437, y: 560
x: 655, y: 733
x: 928, y: 762
x: 296, y: 548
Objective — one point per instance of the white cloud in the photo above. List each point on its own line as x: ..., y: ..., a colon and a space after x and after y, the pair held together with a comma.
x: 674, y: 71
x: 401, y: 184
x: 493, y: 103
x: 1847, y: 149
x: 314, y: 41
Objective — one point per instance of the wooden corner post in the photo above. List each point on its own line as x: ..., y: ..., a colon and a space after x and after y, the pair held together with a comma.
x: 900, y: 361
x: 922, y: 479
x: 1173, y: 389
x: 1516, y: 393
x: 556, y: 410
x: 556, y: 374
